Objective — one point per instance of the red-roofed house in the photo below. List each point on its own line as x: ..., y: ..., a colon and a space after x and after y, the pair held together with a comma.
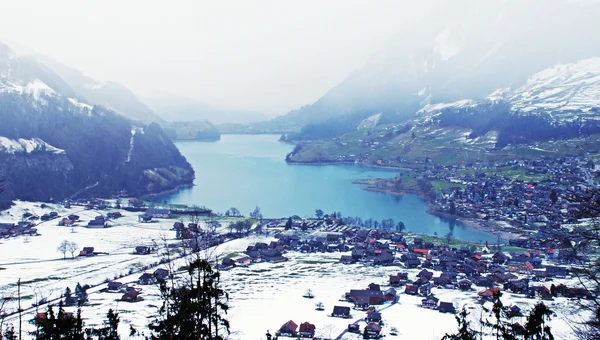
x: 288, y: 329
x: 307, y: 330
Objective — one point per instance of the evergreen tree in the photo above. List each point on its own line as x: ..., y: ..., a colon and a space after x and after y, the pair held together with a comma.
x: 110, y: 329
x: 193, y: 310
x: 464, y: 330
x: 63, y: 326
x: 536, y: 327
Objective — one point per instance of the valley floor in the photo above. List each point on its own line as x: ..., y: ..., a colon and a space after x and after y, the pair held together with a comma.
x: 263, y: 296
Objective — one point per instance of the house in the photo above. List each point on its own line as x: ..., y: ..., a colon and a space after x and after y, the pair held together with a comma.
x: 143, y: 250
x: 114, y: 285
x: 464, y: 284
x: 425, y: 290
x: 227, y: 263
x: 146, y: 279
x: 373, y: 317
x: 514, y: 311
x: 87, y: 251
x: 161, y: 274
x: 372, y: 331
x: 307, y: 330
x: 132, y: 295
x: 97, y: 222
x: 361, y: 302
x: 394, y: 280
x: 446, y: 307
x: 411, y: 290
x: 288, y: 329
x: 374, y: 287
x: 354, y: 328
x: 430, y: 302
x: 391, y: 295
x: 488, y: 294
x: 374, y: 297
x: 425, y: 274
x: 341, y: 312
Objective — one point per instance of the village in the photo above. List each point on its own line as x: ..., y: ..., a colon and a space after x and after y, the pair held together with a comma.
x: 385, y: 273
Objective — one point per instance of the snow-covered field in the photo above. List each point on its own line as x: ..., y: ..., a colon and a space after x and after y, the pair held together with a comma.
x: 263, y: 296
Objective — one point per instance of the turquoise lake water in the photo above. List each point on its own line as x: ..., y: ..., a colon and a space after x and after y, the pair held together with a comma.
x: 245, y: 171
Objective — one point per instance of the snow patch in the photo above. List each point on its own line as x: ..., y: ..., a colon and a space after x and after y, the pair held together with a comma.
x: 13, y: 146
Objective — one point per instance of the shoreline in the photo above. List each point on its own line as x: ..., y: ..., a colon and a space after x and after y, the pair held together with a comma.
x: 491, y: 227
x: 164, y: 192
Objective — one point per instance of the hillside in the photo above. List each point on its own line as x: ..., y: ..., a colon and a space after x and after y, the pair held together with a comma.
x: 54, y: 146
x: 561, y: 102
x: 457, y: 52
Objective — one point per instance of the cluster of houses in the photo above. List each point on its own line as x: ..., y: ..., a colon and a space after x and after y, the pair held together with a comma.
x: 8, y: 230
x: 291, y: 329
x: 260, y: 252
x: 132, y: 294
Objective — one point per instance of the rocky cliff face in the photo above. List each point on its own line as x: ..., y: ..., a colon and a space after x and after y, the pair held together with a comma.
x: 55, y: 146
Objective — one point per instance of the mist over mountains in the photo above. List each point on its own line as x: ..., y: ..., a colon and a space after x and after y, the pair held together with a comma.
x: 55, y: 145
x: 462, y: 50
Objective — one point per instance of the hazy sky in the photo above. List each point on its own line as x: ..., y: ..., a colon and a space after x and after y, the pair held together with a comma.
x: 270, y: 56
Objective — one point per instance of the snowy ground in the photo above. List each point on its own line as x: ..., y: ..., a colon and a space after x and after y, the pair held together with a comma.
x: 263, y: 296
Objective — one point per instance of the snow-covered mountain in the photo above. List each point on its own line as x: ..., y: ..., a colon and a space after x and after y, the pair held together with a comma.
x: 109, y: 94
x: 462, y: 50
x: 562, y: 101
x: 54, y: 144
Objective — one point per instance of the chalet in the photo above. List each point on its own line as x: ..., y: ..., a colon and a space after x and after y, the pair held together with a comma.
x: 146, y: 279
x: 341, y: 312
x: 114, y: 285
x: 411, y: 290
x: 394, y: 280
x: 430, y: 302
x: 442, y: 280
x: 488, y: 294
x: 464, y: 284
x: 288, y: 329
x: 373, y: 317
x: 306, y: 330
x: 391, y: 295
x: 97, y: 222
x: 242, y: 260
x: 425, y: 289
x: 412, y: 263
x: 482, y: 281
x: 161, y: 274
x: 228, y: 263
x: 372, y: 331
x: 375, y: 287
x: 446, y: 307
x: 87, y: 251
x: 132, y: 295
x: 384, y: 259
x: 158, y: 213
x: 354, y: 328
x: 421, y: 252
x: 361, y: 302
x: 374, y: 297
x: 114, y: 215
x: 143, y: 250
x: 514, y: 311
x: 500, y: 258
x: 517, y: 286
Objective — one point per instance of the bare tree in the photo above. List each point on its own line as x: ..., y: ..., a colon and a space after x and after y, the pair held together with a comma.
x: 72, y: 247
x: 63, y: 248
